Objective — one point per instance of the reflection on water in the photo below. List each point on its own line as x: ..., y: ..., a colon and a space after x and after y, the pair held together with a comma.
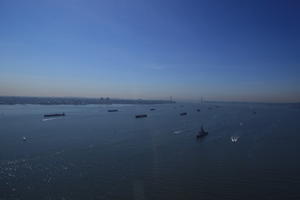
x: 94, y: 154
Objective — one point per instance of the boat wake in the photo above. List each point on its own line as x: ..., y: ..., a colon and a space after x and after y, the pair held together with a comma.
x: 177, y: 132
x: 234, y: 138
x: 48, y: 119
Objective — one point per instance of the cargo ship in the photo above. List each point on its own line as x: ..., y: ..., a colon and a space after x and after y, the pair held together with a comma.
x: 55, y: 115
x: 113, y: 110
x: 141, y: 116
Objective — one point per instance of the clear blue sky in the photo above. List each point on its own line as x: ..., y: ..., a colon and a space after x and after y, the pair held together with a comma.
x: 222, y: 50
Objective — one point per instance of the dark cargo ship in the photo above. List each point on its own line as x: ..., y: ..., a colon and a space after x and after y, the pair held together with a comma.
x: 113, y: 110
x: 55, y: 115
x: 141, y: 116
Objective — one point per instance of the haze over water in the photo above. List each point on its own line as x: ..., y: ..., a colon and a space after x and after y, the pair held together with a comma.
x: 93, y: 154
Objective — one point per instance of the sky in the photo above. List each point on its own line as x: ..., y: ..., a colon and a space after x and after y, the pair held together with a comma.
x: 242, y: 50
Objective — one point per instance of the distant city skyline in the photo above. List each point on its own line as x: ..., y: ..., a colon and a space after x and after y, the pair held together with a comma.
x: 219, y: 50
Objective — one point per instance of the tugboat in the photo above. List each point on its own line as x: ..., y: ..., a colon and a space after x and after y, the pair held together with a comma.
x: 55, y: 115
x: 202, y: 133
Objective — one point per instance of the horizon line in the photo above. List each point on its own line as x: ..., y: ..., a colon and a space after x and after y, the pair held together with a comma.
x: 180, y: 101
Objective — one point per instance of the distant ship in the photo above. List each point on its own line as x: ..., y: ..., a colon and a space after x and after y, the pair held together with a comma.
x: 113, y: 110
x: 55, y: 115
x: 202, y: 133
x: 141, y: 116
x: 182, y: 114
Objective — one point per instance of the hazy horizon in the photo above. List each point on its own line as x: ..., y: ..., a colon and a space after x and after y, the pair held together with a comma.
x: 163, y: 99
x: 244, y: 51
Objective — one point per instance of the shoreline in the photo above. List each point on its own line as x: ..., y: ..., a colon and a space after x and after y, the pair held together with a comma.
x: 5, y: 100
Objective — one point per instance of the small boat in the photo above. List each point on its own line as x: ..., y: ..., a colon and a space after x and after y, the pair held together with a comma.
x: 202, y: 133
x: 198, y: 110
x: 55, y: 115
x: 254, y: 112
x: 182, y: 114
x: 152, y: 109
x: 113, y: 110
x: 141, y: 116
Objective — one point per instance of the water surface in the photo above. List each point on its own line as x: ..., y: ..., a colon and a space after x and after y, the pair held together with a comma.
x: 93, y: 154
